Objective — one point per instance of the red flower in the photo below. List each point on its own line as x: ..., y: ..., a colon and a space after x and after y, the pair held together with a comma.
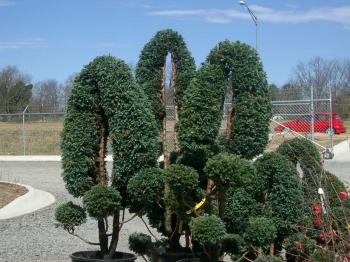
x: 323, y: 236
x: 298, y: 244
x: 317, y: 208
x: 318, y: 221
x: 343, y: 195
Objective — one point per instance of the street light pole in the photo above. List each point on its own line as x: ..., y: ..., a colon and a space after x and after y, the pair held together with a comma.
x: 255, y: 20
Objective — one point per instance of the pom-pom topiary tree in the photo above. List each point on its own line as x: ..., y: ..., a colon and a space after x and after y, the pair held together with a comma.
x: 105, y: 103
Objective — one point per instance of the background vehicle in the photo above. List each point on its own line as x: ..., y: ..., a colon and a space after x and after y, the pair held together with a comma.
x: 321, y: 124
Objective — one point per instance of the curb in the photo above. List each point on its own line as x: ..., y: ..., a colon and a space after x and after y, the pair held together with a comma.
x: 31, y: 201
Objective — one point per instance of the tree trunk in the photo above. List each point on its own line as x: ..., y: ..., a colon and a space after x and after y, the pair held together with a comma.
x: 115, y: 236
x: 221, y: 202
x: 102, y: 237
x: 210, y: 185
x: 272, y: 248
x: 176, y: 112
x: 101, y: 176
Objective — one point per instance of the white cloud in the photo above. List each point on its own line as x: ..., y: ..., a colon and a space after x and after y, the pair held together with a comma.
x: 23, y: 43
x: 331, y: 14
x: 6, y: 3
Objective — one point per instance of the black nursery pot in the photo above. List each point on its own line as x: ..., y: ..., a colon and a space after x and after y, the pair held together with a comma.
x: 94, y: 256
x: 161, y: 255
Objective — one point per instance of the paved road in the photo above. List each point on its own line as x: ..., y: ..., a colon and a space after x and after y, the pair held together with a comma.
x: 340, y: 164
x: 33, y: 237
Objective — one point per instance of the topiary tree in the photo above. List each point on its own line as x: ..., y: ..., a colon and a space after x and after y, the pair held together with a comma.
x: 260, y: 232
x: 228, y: 171
x: 278, y: 188
x: 104, y: 103
x: 250, y: 97
x: 208, y: 231
x: 151, y: 75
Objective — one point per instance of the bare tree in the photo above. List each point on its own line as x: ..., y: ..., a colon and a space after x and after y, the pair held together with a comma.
x: 11, y: 81
x: 46, y: 96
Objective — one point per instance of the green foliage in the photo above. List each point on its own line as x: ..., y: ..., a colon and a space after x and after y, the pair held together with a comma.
x: 149, y: 68
x: 145, y: 188
x: 260, y: 232
x: 229, y: 170
x: 201, y: 114
x: 102, y: 201
x: 104, y: 95
x: 233, y: 244
x: 250, y: 125
x: 140, y: 243
x: 181, y: 179
x: 278, y: 185
x: 299, y: 244
x: 69, y: 216
x: 240, y: 206
x: 304, y: 152
x: 251, y: 96
x: 207, y: 229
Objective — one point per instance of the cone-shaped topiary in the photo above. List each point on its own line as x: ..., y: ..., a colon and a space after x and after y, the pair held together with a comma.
x: 104, y: 102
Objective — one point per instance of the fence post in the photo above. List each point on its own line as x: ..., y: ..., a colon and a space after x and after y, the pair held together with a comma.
x: 331, y: 117
x: 23, y: 131
x: 312, y: 119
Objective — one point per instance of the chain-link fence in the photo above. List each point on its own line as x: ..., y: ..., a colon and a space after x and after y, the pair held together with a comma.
x: 36, y: 132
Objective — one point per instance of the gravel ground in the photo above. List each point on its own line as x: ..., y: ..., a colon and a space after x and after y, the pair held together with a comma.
x: 33, y: 237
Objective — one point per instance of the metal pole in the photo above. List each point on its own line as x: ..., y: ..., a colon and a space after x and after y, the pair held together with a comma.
x: 331, y: 117
x: 256, y: 37
x: 312, y: 126
x: 23, y: 131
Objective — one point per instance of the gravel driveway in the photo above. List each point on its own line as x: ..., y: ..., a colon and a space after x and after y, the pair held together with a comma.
x: 33, y: 237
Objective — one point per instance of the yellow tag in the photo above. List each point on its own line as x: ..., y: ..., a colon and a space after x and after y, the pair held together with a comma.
x: 348, y: 226
x: 180, y: 226
x: 198, y: 205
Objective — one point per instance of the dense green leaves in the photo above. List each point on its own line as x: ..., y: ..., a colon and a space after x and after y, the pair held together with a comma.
x: 304, y: 152
x: 181, y: 179
x: 149, y: 69
x: 140, y: 243
x: 145, y: 188
x: 251, y: 96
x: 201, y: 114
x: 261, y: 231
x: 69, y: 216
x: 250, y: 125
x: 102, y: 201
x: 240, y: 206
x: 105, y: 101
x: 207, y: 229
x: 278, y: 187
x: 229, y: 170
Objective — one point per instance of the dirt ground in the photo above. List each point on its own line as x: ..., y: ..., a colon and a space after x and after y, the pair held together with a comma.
x: 9, y: 192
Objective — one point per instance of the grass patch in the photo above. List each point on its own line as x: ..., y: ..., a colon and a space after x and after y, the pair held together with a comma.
x: 43, y: 137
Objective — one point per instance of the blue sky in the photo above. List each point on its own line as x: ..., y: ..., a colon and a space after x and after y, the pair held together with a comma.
x: 53, y: 39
